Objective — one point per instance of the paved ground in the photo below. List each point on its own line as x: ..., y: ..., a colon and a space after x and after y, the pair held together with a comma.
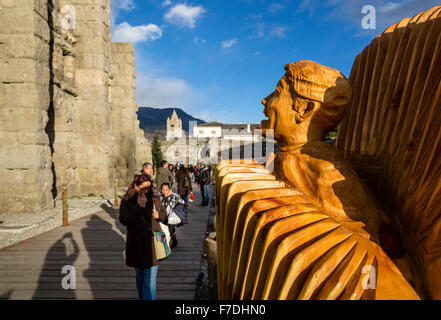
x: 16, y: 228
x: 94, y: 245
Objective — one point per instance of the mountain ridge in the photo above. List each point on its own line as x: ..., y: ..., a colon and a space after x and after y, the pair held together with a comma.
x: 154, y: 120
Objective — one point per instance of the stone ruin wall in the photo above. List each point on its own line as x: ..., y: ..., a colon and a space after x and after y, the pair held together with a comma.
x: 124, y: 109
x: 25, y: 164
x: 93, y: 110
x: 143, y: 147
x: 67, y: 110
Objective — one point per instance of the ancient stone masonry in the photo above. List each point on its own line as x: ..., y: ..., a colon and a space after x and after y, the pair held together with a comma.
x: 94, y: 117
x: 143, y: 148
x: 124, y: 110
x: 25, y: 76
x: 67, y: 109
x: 174, y: 126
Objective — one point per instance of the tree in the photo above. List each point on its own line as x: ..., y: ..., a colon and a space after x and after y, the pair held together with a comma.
x: 156, y: 152
x: 332, y: 135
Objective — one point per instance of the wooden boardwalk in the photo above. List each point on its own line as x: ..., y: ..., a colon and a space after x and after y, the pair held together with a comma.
x: 94, y: 245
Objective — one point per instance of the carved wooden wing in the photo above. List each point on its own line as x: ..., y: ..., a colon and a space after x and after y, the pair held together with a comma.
x: 392, y: 134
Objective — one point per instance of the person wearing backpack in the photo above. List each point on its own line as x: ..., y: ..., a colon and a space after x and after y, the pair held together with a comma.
x: 183, y: 180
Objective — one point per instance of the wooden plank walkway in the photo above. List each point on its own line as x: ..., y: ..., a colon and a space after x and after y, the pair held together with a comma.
x: 94, y: 245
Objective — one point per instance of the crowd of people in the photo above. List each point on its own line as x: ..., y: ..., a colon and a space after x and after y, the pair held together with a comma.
x: 150, y: 206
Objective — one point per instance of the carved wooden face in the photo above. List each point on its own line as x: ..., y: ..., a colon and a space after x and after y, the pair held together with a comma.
x: 289, y: 115
x: 309, y: 100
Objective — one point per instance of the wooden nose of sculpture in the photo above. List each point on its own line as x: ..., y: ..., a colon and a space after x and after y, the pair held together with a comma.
x: 308, y: 230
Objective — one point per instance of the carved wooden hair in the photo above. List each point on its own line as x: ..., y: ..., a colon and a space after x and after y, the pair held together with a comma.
x: 392, y: 134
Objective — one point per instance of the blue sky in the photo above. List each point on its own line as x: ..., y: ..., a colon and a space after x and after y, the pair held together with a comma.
x: 217, y: 59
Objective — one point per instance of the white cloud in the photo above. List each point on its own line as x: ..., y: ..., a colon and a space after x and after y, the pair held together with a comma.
x: 229, y: 43
x: 276, y: 7
x: 166, y: 3
x: 390, y: 6
x: 198, y: 40
x: 116, y: 6
x: 218, y: 115
x: 124, y: 32
x: 278, y: 31
x: 306, y: 5
x: 184, y: 15
x: 162, y: 92
x: 260, y: 30
x: 389, y: 12
x: 255, y: 16
x: 257, y: 53
x: 263, y: 30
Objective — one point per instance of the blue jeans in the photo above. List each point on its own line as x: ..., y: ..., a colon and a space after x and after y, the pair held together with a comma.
x: 146, y: 283
x: 186, y: 199
x: 205, y: 196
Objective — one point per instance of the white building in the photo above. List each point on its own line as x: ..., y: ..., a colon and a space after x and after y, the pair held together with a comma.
x: 242, y: 132
x: 174, y: 127
x: 208, y: 130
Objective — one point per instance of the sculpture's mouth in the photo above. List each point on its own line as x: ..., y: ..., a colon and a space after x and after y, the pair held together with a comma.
x: 268, y: 124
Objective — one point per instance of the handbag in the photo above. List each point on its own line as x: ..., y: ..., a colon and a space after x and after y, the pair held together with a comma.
x: 191, y: 197
x: 162, y: 249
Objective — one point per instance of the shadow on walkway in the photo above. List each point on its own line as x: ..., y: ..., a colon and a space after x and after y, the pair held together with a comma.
x: 105, y: 248
x: 65, y: 251
x: 6, y: 295
x: 114, y: 214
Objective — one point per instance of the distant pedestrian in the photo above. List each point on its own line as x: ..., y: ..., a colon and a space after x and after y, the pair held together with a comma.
x: 183, y: 180
x: 141, y: 211
x: 164, y: 175
x: 172, y: 202
x: 196, y: 173
x: 204, y: 181
x: 147, y: 168
x: 190, y: 170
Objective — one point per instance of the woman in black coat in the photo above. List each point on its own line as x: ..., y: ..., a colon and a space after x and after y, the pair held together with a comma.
x: 140, y: 201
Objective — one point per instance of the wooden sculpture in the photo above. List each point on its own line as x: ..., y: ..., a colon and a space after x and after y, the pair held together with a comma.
x: 391, y: 135
x: 312, y: 229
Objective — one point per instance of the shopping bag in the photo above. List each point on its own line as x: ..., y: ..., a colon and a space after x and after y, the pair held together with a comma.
x: 173, y: 219
x: 191, y: 197
x: 162, y: 250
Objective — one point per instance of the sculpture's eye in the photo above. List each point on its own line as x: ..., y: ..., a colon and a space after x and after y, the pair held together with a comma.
x: 309, y: 107
x: 303, y: 108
